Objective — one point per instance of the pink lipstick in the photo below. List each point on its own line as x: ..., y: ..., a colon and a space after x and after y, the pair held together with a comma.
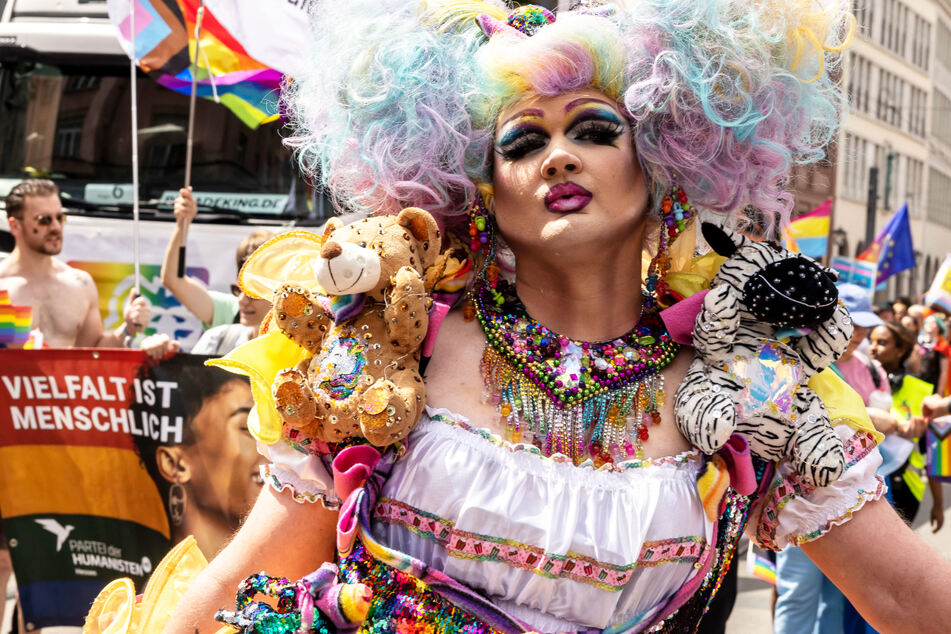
x: 567, y: 197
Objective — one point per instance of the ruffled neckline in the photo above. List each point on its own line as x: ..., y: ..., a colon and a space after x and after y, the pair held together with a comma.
x: 452, y: 419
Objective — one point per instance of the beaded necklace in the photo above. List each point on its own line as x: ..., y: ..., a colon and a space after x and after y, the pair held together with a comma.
x: 587, y: 401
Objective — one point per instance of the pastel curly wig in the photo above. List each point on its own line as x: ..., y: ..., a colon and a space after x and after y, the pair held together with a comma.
x: 399, y: 105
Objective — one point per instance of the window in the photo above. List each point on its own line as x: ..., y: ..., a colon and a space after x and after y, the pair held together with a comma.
x: 941, y: 117
x: 890, y: 92
x: 942, y: 50
x: 939, y: 193
x: 69, y: 131
x: 918, y: 106
x: 855, y: 164
x: 912, y: 189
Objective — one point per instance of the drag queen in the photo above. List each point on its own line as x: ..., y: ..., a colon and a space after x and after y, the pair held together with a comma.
x: 576, y: 145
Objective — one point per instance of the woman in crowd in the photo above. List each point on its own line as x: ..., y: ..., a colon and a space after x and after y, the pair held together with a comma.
x: 891, y: 345
x: 592, y: 136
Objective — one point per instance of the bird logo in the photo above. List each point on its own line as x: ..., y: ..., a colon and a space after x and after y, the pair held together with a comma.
x: 61, y: 532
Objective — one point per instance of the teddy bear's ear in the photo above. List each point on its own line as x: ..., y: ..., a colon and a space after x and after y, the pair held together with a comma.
x: 720, y: 240
x: 332, y: 225
x: 419, y: 222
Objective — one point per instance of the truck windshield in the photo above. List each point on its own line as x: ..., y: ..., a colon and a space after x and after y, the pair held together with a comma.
x: 72, y: 122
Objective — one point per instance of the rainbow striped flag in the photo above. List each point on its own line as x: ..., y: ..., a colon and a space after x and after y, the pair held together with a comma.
x: 809, y: 233
x: 760, y: 566
x: 938, y: 441
x: 15, y: 322
x: 165, y: 46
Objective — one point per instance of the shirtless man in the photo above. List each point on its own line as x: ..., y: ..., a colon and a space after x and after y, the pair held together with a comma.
x: 65, y: 300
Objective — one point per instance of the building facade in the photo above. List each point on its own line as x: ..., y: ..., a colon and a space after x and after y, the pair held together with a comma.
x: 898, y: 76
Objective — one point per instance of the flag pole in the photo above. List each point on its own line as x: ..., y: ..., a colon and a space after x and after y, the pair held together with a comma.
x: 135, y: 150
x: 191, y: 131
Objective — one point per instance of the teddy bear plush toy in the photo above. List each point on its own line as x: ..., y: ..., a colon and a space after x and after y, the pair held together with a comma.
x: 363, y: 327
x: 771, y: 321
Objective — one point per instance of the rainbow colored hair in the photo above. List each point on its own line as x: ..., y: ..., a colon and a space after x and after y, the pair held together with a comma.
x: 400, y: 104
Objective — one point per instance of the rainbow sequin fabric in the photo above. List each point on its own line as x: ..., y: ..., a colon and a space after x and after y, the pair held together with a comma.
x: 404, y: 604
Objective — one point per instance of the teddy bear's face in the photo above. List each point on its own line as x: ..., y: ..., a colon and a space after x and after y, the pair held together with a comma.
x: 362, y: 257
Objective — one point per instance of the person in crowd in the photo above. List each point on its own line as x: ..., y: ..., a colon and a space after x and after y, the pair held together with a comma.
x: 211, y: 478
x: 213, y: 308
x: 65, y: 300
x: 885, y: 312
x: 232, y: 319
x: 900, y: 307
x: 578, y: 128
x: 891, y: 345
x: 934, y: 350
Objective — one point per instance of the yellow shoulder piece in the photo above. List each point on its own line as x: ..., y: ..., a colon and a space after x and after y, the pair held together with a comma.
x: 843, y: 404
x: 260, y: 360
x: 288, y: 258
x: 115, y: 610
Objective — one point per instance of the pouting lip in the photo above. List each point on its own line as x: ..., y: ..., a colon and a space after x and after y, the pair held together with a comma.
x: 578, y: 195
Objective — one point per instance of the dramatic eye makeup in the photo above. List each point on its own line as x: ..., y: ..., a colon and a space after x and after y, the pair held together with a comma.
x: 593, y: 120
x: 522, y: 134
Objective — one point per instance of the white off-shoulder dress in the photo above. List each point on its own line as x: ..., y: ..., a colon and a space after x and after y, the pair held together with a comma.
x: 564, y: 547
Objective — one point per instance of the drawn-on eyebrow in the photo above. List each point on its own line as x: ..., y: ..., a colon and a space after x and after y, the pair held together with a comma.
x: 530, y: 112
x: 577, y: 102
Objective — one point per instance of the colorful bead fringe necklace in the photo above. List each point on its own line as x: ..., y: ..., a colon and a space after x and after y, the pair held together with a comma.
x: 583, y: 400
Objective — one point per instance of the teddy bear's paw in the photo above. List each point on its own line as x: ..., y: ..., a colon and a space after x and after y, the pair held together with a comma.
x: 299, y: 317
x: 385, y: 415
x: 293, y: 399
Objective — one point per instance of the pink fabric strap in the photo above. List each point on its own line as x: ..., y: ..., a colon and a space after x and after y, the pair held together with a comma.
x: 437, y: 313
x: 681, y: 317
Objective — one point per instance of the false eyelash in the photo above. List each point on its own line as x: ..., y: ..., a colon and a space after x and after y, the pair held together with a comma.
x: 523, y: 144
x: 600, y: 131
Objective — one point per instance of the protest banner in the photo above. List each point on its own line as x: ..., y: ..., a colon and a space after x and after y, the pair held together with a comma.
x: 109, y: 460
x: 102, y: 247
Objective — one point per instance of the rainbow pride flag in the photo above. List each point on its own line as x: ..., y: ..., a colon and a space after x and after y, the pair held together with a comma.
x: 165, y: 46
x: 809, y: 233
x: 760, y: 566
x: 15, y: 322
x: 938, y: 442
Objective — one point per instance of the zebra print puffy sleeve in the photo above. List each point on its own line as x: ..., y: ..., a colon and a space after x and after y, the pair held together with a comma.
x: 793, y: 511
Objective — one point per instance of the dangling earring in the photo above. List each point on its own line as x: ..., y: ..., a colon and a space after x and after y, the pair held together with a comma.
x: 177, y: 500
x: 479, y: 220
x: 482, y: 240
x: 675, y: 214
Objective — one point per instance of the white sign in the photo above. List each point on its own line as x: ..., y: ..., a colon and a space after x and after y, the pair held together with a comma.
x: 108, y: 193
x: 248, y: 203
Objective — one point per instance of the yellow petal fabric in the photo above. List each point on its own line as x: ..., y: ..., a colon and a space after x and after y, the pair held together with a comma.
x: 112, y: 611
x: 115, y: 610
x: 843, y: 404
x: 288, y: 258
x: 260, y: 360
x: 174, y: 574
